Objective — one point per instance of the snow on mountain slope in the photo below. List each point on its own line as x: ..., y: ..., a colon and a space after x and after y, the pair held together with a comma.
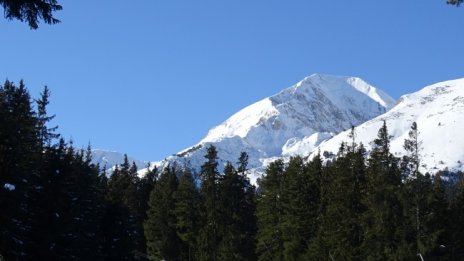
x: 112, y: 158
x: 437, y: 109
x: 294, y: 121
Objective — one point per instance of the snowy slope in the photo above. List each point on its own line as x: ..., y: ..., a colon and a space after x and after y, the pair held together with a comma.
x: 438, y: 110
x: 294, y: 121
x: 112, y: 158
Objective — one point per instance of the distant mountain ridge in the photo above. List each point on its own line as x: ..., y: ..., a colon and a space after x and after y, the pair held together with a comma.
x: 109, y: 159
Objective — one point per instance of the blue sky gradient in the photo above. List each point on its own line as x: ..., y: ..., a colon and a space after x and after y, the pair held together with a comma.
x: 149, y: 78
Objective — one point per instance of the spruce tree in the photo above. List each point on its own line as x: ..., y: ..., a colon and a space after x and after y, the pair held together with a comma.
x: 383, y: 221
x: 121, y: 227
x: 160, y: 227
x: 246, y: 211
x: 412, y: 146
x: 416, y: 190
x: 31, y: 11
x: 319, y: 182
x: 269, y: 213
x: 343, y: 233
x: 297, y: 208
x: 434, y: 239
x: 187, y: 215
x: 76, y: 200
x: 144, y: 187
x: 46, y: 134
x: 19, y: 154
x: 237, y: 213
x: 456, y: 245
x: 208, y: 240
x: 139, y: 238
x: 454, y: 2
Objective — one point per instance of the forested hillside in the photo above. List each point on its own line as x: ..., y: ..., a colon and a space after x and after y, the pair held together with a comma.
x: 57, y: 205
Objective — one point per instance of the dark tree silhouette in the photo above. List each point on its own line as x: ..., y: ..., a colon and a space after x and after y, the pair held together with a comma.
x: 31, y: 11
x: 455, y: 2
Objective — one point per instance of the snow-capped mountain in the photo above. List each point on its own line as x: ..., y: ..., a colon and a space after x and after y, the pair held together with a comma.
x: 437, y: 109
x: 112, y: 158
x: 294, y: 121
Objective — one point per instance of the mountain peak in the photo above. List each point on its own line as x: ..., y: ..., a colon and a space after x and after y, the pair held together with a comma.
x: 296, y: 119
x: 340, y: 84
x: 350, y: 98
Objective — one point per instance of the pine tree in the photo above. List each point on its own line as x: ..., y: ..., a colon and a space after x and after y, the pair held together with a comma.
x: 139, y: 238
x: 160, y: 227
x: 434, y: 239
x: 412, y: 145
x: 297, y: 206
x: 77, y: 213
x: 237, y: 213
x: 121, y: 227
x: 454, y: 2
x: 90, y: 210
x: 319, y: 188
x: 31, y: 11
x: 145, y: 186
x: 456, y: 246
x: 19, y: 154
x: 269, y: 212
x: 46, y: 134
x: 417, y: 189
x: 246, y: 211
x: 52, y: 207
x: 187, y: 215
x: 208, y: 240
x: 384, y: 237
x: 343, y: 230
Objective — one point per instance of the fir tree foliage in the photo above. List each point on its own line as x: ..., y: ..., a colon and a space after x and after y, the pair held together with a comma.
x: 208, y: 240
x: 187, y: 215
x: 51, y: 199
x: 343, y: 234
x: 412, y: 146
x: 122, y: 226
x: 19, y: 154
x: 144, y: 187
x: 160, y: 227
x: 269, y: 213
x: 46, y: 134
x: 296, y: 195
x: 455, y: 2
x: 31, y: 11
x: 384, y: 209
x: 456, y: 245
x: 237, y: 213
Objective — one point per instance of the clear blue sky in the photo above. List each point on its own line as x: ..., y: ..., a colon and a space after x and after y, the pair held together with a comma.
x: 149, y: 77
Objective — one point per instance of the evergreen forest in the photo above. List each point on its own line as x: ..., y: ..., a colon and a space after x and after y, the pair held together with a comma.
x: 55, y: 204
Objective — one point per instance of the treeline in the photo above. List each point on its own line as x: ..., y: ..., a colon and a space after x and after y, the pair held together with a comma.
x: 357, y: 207
x: 55, y: 204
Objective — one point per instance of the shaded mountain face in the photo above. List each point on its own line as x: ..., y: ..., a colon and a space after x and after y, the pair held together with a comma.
x: 294, y: 121
x: 437, y: 109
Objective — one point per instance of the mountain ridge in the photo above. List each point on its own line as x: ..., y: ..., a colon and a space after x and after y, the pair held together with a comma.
x: 436, y: 109
x: 293, y: 130
x: 291, y: 121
